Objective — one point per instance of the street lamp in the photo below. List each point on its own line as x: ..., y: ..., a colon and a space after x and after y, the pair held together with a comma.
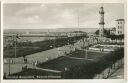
x: 15, y: 37
x: 85, y: 48
x: 9, y: 66
x: 86, y: 56
x: 55, y: 42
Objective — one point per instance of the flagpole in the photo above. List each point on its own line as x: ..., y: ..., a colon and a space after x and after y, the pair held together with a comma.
x: 16, y: 36
x: 15, y: 46
x: 9, y: 66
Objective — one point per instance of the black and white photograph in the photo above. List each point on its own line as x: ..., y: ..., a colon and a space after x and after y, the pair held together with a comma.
x: 63, y: 40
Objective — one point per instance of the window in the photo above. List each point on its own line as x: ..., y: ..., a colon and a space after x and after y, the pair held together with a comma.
x: 118, y: 27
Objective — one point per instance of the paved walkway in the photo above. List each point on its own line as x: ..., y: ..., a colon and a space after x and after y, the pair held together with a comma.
x: 40, y: 57
x: 98, y: 51
x: 48, y: 54
x: 49, y: 70
x: 14, y: 68
x: 119, y: 74
x: 74, y: 57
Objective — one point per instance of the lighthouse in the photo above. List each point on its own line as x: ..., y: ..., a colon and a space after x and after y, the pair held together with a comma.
x: 101, y: 23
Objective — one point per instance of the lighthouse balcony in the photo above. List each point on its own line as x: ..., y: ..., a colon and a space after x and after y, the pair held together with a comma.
x: 101, y: 12
x: 102, y: 23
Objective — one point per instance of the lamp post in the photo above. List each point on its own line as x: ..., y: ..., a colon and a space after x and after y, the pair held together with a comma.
x: 15, y: 46
x: 15, y: 37
x: 85, y: 48
x: 9, y: 67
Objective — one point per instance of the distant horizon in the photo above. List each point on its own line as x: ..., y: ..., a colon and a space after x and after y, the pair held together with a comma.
x: 51, y: 30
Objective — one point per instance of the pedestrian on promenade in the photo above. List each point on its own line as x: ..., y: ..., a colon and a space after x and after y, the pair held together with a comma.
x: 25, y: 60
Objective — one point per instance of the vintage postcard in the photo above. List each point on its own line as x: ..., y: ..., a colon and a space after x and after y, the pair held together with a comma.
x: 63, y: 41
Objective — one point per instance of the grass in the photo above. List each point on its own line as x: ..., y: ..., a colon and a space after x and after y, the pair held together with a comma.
x: 88, y: 71
x: 61, y: 63
x: 77, y: 68
x: 82, y: 54
x: 82, y: 68
x: 38, y: 47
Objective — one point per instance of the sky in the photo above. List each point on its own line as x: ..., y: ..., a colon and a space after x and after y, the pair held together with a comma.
x: 59, y: 15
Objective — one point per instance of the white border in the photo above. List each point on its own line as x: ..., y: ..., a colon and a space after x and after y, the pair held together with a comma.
x: 1, y: 42
x: 63, y: 81
x: 64, y: 1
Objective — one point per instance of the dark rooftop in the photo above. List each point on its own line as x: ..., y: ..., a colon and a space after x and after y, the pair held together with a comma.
x: 120, y: 20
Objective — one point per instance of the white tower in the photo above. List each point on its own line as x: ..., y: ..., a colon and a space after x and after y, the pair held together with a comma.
x: 101, y: 23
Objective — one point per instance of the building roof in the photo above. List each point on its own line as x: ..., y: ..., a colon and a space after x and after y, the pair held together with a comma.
x: 120, y: 20
x: 114, y: 28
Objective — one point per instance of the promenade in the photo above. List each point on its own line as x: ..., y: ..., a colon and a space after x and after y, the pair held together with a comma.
x: 118, y: 74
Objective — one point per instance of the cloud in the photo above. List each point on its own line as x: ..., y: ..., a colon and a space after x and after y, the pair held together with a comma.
x: 59, y: 15
x: 32, y: 10
x: 32, y: 19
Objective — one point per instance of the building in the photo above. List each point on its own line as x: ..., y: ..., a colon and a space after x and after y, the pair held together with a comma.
x: 119, y: 29
x: 113, y: 31
x: 101, y: 23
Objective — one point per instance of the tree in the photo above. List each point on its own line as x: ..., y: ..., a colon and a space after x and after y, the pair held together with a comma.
x: 106, y: 32
x: 97, y: 32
